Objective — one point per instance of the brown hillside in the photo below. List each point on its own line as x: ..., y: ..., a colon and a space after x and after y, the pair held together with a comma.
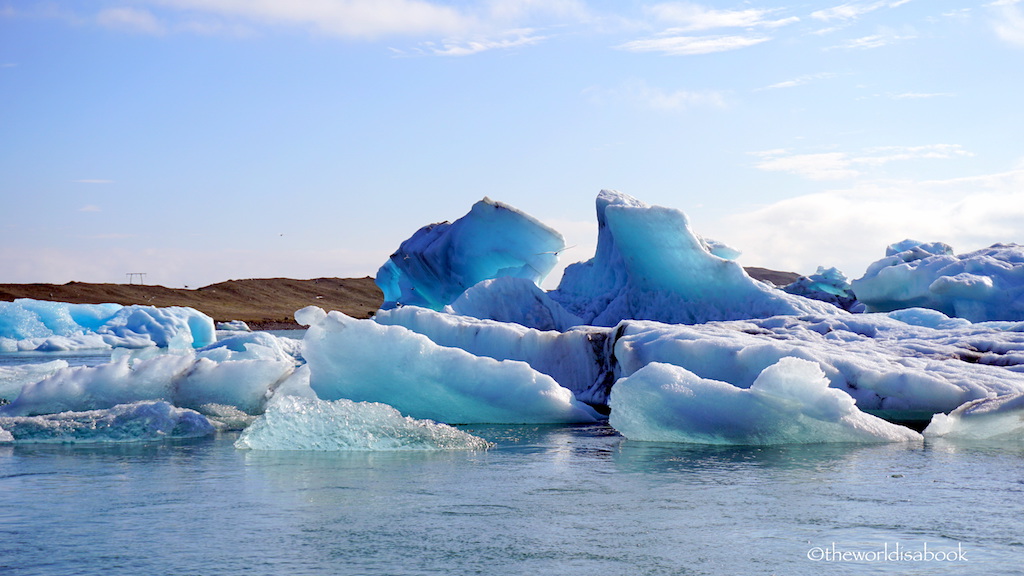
x: 262, y: 303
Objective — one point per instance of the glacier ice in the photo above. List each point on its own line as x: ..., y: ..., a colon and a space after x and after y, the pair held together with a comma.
x: 362, y: 360
x: 983, y: 285
x: 997, y: 418
x: 14, y: 378
x: 515, y: 300
x: 828, y: 285
x: 297, y: 423
x: 134, y: 422
x: 440, y: 261
x: 650, y: 265
x: 240, y: 371
x: 789, y: 402
x: 27, y: 324
x: 917, y: 362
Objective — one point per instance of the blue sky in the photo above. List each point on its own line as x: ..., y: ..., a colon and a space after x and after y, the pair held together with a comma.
x: 203, y: 140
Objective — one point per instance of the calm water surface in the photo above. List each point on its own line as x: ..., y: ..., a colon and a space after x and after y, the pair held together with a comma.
x: 547, y: 500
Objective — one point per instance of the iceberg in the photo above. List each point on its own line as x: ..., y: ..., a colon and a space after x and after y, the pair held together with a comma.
x: 650, y: 265
x: 999, y: 418
x: 364, y: 361
x: 979, y: 286
x: 513, y: 300
x: 790, y: 402
x: 27, y: 324
x: 135, y: 422
x: 440, y: 261
x: 828, y: 285
x: 907, y: 364
x: 240, y: 371
x: 14, y: 378
x: 296, y: 423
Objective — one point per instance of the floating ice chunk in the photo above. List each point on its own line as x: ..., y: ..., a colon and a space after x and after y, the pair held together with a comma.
x: 233, y: 326
x: 999, y: 418
x: 5, y: 436
x: 515, y: 300
x: 650, y: 265
x: 362, y: 360
x: 14, y: 378
x: 828, y: 285
x: 135, y: 422
x: 27, y: 324
x: 240, y: 371
x: 440, y: 261
x: 296, y: 423
x: 790, y: 402
x: 980, y: 286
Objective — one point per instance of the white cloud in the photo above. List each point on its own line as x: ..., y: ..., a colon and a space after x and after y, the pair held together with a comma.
x: 800, y: 80
x: 1008, y: 21
x: 688, y: 16
x: 854, y: 10
x: 841, y: 165
x: 692, y: 45
x: 452, y: 47
x: 130, y: 20
x: 850, y: 228
x: 363, y: 19
x: 90, y: 208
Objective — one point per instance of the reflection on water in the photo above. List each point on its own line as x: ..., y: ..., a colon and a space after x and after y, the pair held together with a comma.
x: 547, y: 500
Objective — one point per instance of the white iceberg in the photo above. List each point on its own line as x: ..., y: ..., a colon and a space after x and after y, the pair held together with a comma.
x: 650, y: 265
x: 135, y: 422
x: 241, y: 371
x: 13, y: 378
x: 790, y: 402
x: 907, y: 364
x: 362, y: 360
x: 296, y: 423
x: 983, y: 285
x: 27, y: 324
x: 999, y: 418
x: 440, y: 261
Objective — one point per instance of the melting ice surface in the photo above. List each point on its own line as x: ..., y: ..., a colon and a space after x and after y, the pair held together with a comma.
x: 38, y: 325
x: 789, y: 402
x: 362, y: 360
x: 297, y: 423
x: 999, y: 418
x: 136, y: 422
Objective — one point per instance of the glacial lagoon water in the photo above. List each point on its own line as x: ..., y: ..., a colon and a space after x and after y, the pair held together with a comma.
x: 546, y: 500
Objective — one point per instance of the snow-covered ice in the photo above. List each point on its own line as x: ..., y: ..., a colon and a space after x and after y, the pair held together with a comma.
x: 983, y: 285
x: 297, y: 423
x: 999, y: 418
x: 27, y: 324
x: 240, y: 371
x: 134, y: 422
x: 789, y: 402
x: 362, y: 360
x: 440, y: 261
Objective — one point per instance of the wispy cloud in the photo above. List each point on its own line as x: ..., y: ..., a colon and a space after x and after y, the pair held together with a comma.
x: 883, y: 38
x: 90, y: 208
x: 842, y: 165
x: 1008, y: 21
x: 687, y: 16
x: 800, y: 80
x: 854, y: 10
x: 462, y: 47
x: 131, y: 20
x: 692, y: 45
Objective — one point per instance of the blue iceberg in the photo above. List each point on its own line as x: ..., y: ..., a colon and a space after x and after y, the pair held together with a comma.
x: 440, y: 261
x: 134, y: 422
